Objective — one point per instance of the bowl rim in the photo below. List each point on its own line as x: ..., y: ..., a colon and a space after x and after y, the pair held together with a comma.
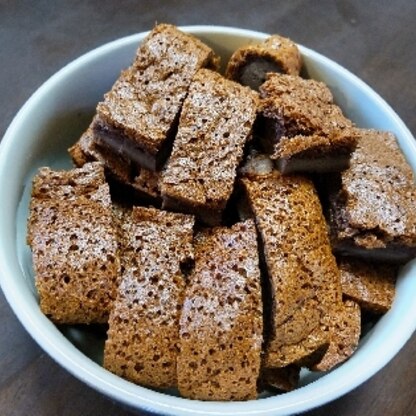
x: 69, y: 357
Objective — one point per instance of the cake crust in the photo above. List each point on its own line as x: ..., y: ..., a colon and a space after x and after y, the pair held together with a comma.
x: 250, y: 63
x: 345, y: 331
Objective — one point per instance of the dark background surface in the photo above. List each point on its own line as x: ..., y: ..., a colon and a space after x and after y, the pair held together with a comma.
x: 374, y: 39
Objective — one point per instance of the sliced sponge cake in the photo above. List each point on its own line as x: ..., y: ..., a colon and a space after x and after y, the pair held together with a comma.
x: 304, y: 279
x: 74, y: 244
x: 373, y: 212
x: 216, y: 121
x: 138, y: 116
x: 142, y: 344
x: 221, y: 323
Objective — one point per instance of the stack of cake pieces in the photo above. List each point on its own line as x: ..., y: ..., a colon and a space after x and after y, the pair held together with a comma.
x: 134, y: 127
x: 215, y: 271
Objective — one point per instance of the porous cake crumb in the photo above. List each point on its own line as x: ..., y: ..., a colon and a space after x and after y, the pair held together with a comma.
x: 372, y: 286
x: 373, y: 213
x: 138, y: 117
x: 215, y: 123
x: 147, y: 182
x: 345, y: 331
x: 74, y: 244
x: 304, y: 279
x: 301, y: 127
x: 221, y: 323
x: 142, y: 344
x: 249, y: 64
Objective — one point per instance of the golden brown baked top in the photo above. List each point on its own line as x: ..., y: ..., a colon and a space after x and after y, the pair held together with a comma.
x: 221, y: 323
x: 378, y: 194
x: 293, y: 230
x: 146, y: 98
x: 216, y: 121
x: 311, y: 121
x: 158, y: 242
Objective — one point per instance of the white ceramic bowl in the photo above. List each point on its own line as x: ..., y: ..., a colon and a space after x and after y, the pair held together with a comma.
x: 54, y: 117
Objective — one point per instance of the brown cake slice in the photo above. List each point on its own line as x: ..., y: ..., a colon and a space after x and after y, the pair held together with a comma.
x: 345, y: 331
x: 215, y: 123
x: 373, y: 213
x: 221, y: 324
x: 138, y: 117
x: 74, y: 244
x: 283, y: 379
x: 304, y: 280
x: 249, y: 64
x: 143, y: 335
x: 143, y: 181
x: 371, y: 285
x: 301, y: 127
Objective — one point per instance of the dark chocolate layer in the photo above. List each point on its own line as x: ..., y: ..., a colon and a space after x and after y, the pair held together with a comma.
x: 327, y: 163
x: 393, y: 253
x: 116, y: 141
x: 253, y: 72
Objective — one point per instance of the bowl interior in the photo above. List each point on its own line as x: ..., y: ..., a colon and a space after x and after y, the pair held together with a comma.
x: 54, y: 118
